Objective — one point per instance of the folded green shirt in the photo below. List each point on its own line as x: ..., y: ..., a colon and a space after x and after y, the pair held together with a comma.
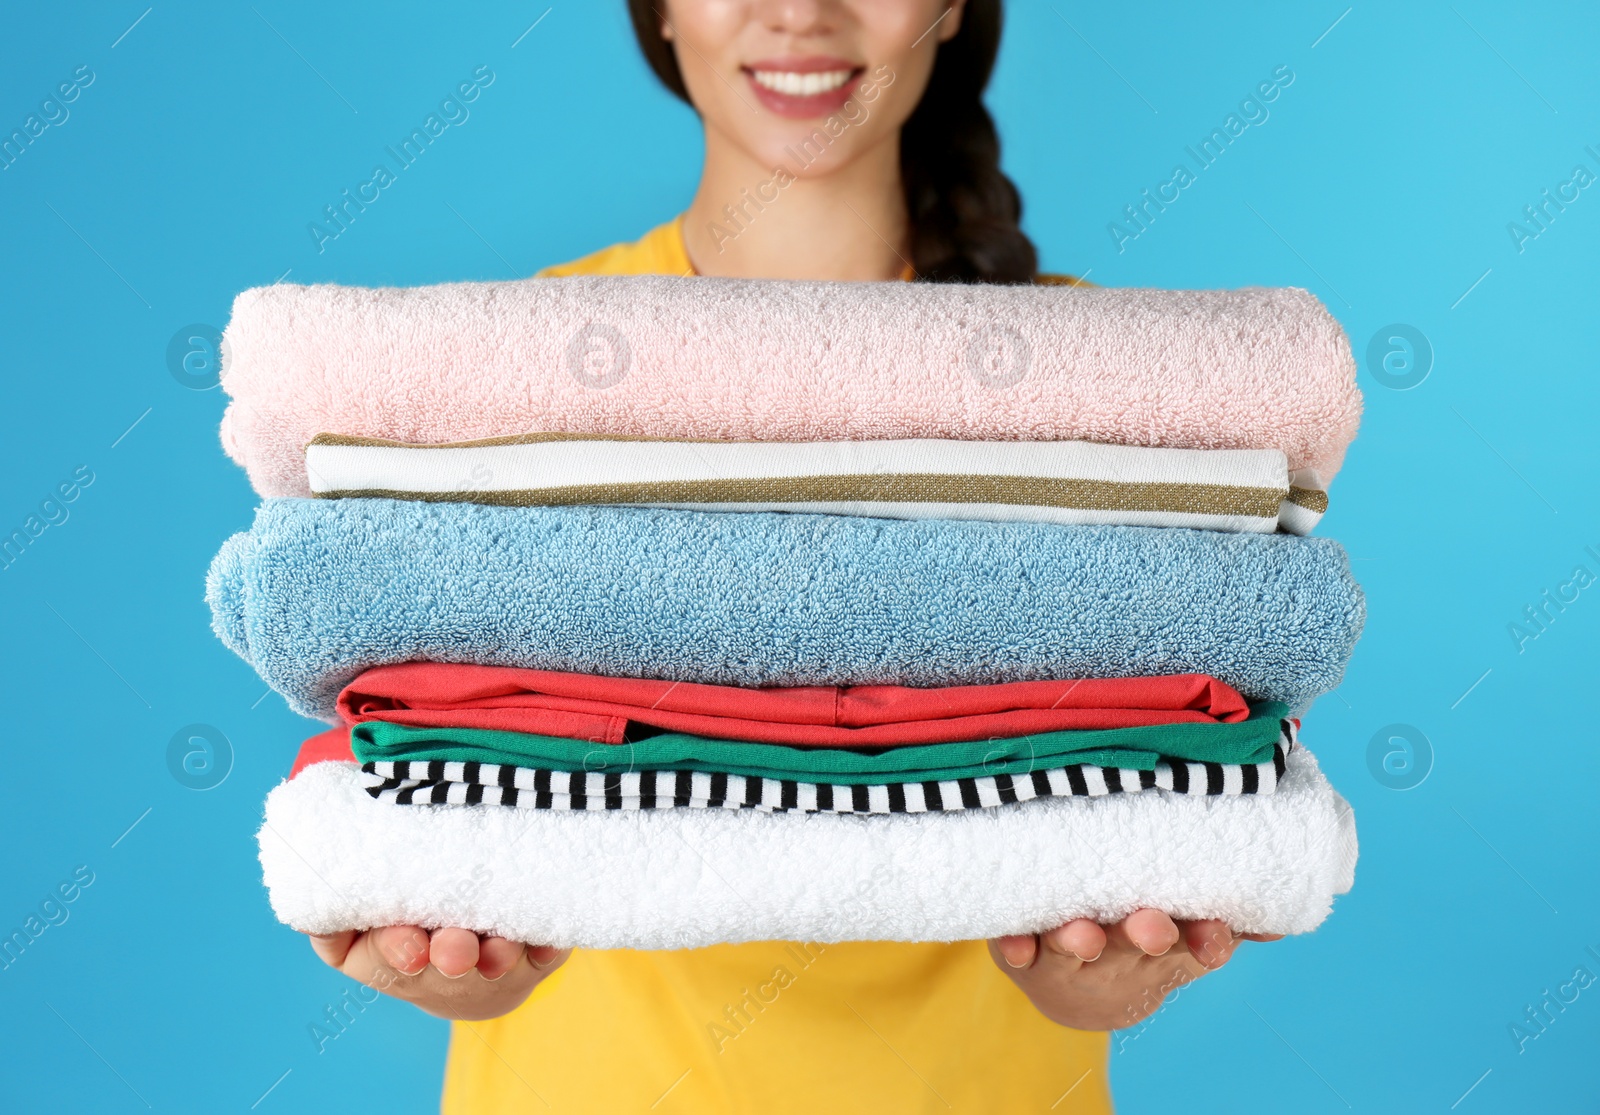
x: 1247, y: 742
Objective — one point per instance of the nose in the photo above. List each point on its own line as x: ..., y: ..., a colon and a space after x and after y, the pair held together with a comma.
x: 796, y: 17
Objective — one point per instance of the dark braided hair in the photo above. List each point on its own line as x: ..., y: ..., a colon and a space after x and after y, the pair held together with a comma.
x: 964, y: 211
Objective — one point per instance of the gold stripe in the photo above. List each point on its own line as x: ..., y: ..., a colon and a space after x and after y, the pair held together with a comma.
x: 1026, y: 491
x: 1312, y: 499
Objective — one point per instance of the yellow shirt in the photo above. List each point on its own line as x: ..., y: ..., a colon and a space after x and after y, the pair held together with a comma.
x: 774, y: 1027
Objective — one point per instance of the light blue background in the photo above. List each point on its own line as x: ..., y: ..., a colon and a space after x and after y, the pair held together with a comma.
x: 1383, y: 180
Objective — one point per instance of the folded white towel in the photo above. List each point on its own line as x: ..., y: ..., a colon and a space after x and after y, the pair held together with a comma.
x: 910, y: 478
x: 335, y: 859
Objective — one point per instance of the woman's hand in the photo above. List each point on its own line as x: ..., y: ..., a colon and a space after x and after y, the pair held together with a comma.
x: 451, y: 973
x: 1092, y: 978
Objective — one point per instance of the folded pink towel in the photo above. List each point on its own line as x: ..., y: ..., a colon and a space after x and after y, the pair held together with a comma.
x: 742, y: 360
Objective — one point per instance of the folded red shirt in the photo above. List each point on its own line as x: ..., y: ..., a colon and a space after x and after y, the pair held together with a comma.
x: 604, y: 709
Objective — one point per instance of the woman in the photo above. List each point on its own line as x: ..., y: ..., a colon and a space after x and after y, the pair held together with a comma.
x: 845, y: 139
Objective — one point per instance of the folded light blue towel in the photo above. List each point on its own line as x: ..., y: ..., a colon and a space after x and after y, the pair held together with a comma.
x: 319, y: 590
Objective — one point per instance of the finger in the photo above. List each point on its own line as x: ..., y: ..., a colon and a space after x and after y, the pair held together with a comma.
x: 332, y: 948
x: 454, y: 952
x: 1150, y: 931
x: 1018, y: 951
x: 497, y: 956
x: 1210, y: 942
x: 1081, y: 939
x: 1261, y: 937
x: 403, y: 947
x: 546, y: 958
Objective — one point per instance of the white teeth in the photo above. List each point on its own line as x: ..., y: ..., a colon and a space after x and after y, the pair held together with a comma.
x: 801, y: 85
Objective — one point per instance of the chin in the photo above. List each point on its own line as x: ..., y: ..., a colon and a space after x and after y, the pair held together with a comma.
x: 804, y: 149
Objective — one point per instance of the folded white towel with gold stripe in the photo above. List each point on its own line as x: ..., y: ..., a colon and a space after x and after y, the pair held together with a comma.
x: 924, y: 478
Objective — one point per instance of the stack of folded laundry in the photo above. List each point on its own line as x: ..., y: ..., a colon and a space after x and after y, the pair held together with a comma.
x: 661, y: 612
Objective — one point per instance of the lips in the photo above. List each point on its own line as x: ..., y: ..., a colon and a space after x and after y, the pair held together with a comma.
x: 803, y: 88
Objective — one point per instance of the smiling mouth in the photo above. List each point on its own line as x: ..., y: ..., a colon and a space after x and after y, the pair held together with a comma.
x: 804, y: 89
x: 792, y: 84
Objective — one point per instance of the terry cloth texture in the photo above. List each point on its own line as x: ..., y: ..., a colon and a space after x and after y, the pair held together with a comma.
x: 1134, y: 748
x: 749, y: 360
x: 1036, y: 481
x: 470, y: 784
x: 606, y: 710
x: 320, y: 590
x: 335, y: 859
